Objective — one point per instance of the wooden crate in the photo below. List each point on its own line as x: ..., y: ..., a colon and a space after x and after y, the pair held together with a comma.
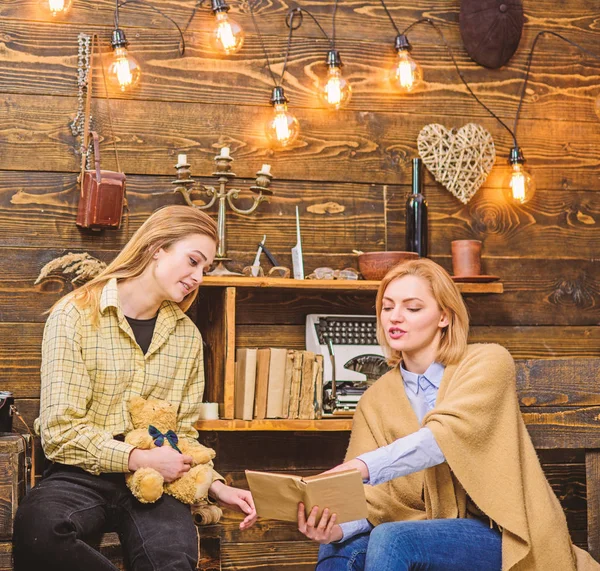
x: 12, y: 480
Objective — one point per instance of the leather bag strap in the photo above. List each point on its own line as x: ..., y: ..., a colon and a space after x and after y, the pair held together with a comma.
x: 97, y: 154
x: 88, y: 106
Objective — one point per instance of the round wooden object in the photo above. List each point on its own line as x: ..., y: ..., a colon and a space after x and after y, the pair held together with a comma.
x: 491, y: 30
x: 374, y: 265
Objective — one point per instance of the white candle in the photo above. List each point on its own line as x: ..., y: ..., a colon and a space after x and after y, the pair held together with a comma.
x: 182, y: 159
x: 266, y: 169
x: 225, y: 152
x: 209, y: 411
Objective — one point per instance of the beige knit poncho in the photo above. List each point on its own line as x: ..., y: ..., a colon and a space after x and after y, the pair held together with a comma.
x: 491, y: 465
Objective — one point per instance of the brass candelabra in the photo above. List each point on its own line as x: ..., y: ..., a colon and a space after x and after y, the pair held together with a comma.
x: 186, y: 185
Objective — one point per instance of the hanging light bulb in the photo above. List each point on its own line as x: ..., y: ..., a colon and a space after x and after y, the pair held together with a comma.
x: 227, y: 35
x: 282, y: 128
x: 521, y: 186
x: 57, y: 7
x: 407, y: 74
x: 335, y: 91
x: 124, y: 71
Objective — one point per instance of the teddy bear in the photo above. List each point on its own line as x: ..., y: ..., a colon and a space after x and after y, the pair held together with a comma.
x: 154, y: 422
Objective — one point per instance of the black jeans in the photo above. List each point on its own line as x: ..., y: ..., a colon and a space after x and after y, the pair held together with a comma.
x: 70, y: 505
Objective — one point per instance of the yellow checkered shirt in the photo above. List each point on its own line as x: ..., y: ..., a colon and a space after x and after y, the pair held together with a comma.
x: 89, y: 373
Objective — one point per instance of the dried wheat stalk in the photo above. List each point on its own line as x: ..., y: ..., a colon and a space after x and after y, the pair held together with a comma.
x: 84, y: 266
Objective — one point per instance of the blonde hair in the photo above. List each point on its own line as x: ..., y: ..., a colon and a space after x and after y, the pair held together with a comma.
x: 453, y: 342
x: 162, y: 229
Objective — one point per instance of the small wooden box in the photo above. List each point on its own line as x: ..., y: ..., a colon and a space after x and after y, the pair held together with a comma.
x: 12, y: 480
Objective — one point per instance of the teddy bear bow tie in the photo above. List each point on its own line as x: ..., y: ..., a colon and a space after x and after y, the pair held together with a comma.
x: 159, y: 438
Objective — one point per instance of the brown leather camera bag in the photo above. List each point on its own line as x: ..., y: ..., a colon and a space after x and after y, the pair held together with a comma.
x: 102, y: 195
x: 102, y: 192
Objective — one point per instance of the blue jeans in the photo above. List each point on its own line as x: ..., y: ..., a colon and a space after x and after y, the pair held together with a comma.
x: 428, y: 545
x: 70, y: 506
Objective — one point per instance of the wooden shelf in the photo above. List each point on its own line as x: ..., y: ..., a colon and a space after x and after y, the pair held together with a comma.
x: 328, y: 424
x: 228, y: 302
x: 332, y: 285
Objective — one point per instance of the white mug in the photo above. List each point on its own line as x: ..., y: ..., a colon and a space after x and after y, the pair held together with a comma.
x: 209, y: 411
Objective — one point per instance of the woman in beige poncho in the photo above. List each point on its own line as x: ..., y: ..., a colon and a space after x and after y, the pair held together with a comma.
x: 453, y: 480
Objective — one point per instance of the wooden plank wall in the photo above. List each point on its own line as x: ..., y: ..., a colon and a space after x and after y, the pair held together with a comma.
x: 545, y: 251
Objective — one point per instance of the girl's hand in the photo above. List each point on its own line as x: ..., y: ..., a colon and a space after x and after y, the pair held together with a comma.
x: 235, y: 499
x: 354, y: 464
x: 169, y: 463
x: 325, y: 532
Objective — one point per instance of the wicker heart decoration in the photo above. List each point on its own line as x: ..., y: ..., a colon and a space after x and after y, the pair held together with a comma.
x: 460, y: 160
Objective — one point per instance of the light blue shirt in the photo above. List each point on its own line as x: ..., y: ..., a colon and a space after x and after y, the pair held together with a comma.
x: 411, y: 453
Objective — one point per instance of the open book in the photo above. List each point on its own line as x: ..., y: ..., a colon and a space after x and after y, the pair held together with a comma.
x: 276, y: 496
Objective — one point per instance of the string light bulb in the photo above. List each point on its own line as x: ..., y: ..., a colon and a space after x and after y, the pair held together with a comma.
x: 282, y: 128
x: 521, y: 186
x: 406, y: 74
x: 227, y: 35
x: 57, y: 7
x: 335, y: 91
x: 124, y: 71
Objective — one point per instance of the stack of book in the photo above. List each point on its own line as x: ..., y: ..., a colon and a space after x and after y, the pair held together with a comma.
x: 278, y: 383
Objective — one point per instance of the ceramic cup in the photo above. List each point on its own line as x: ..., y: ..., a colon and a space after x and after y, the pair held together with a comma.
x: 208, y: 411
x: 466, y: 258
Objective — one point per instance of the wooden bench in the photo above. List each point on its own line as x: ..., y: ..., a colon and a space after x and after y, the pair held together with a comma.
x: 560, y: 402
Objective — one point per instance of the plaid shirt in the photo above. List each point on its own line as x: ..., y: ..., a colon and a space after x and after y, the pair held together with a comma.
x: 89, y: 373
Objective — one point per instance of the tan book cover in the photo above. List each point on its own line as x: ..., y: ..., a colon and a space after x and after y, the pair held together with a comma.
x: 296, y: 384
x: 263, y: 358
x: 245, y: 380
x: 276, y: 382
x: 276, y: 496
x: 287, y: 382
x: 306, y: 408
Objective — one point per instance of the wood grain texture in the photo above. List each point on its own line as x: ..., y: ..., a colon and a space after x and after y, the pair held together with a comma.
x: 348, y: 148
x: 209, y: 553
x: 272, y: 425
x: 40, y: 59
x: 556, y: 427
x: 36, y: 206
x: 229, y: 338
x: 328, y: 286
x: 562, y: 382
x: 270, y: 556
x: 12, y: 481
x: 275, y: 451
x: 6, y: 556
x: 214, y: 325
x: 360, y: 18
x: 592, y: 469
x: 263, y: 531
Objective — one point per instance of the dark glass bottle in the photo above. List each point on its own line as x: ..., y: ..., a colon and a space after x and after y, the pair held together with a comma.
x: 416, y: 213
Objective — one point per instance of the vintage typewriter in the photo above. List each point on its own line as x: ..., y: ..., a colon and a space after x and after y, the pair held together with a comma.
x: 352, y: 358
